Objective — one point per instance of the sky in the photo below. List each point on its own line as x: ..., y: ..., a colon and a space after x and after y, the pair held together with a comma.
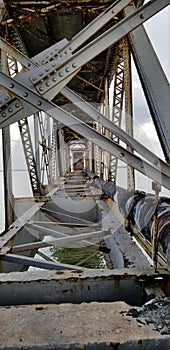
x: 158, y: 29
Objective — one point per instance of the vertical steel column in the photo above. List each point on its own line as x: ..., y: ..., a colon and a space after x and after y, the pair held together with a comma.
x: 128, y: 108
x: 105, y: 154
x: 97, y: 152
x: 54, y: 153
x: 36, y: 141
x: 118, y: 93
x: 44, y: 143
x: 29, y: 155
x: 7, y: 166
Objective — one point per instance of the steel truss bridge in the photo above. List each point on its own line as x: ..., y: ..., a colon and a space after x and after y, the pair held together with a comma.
x: 66, y: 81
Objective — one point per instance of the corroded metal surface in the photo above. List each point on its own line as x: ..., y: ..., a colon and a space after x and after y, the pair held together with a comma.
x: 88, y: 285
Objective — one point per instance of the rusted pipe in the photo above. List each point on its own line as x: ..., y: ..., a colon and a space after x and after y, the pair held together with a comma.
x: 138, y: 207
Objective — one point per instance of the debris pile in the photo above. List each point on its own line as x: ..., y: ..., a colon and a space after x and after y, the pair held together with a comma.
x: 156, y: 312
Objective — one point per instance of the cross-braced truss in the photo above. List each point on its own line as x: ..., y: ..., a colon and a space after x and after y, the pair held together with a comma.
x: 66, y: 80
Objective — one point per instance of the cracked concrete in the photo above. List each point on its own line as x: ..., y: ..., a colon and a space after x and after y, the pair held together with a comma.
x: 77, y: 326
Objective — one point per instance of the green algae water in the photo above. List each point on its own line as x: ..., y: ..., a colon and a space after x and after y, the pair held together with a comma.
x: 83, y: 257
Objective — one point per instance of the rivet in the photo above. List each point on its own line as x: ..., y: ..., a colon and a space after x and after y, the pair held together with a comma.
x: 54, y: 79
x: 66, y: 52
x: 74, y: 65
x: 67, y: 69
x: 142, y: 16
x: 70, y: 48
x: 10, y: 110
x: 4, y: 114
x: 39, y: 103
x: 61, y: 74
x: 122, y: 154
x: 47, y: 69
x: 40, y: 74
x: 34, y: 78
x: 41, y: 88
x: 53, y: 64
x: 25, y: 94
x: 29, y: 64
x: 47, y: 84
x: 6, y: 97
x: 11, y: 86
x: 17, y: 105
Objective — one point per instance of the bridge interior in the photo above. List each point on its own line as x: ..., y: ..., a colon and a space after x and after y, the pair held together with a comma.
x: 66, y: 82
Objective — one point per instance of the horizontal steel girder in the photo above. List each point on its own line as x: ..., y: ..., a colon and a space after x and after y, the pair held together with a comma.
x: 24, y: 260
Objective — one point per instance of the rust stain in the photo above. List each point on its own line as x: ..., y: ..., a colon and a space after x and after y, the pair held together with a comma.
x: 77, y: 271
x: 59, y: 272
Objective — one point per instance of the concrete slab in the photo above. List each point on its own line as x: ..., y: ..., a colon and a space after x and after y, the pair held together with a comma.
x: 82, y: 326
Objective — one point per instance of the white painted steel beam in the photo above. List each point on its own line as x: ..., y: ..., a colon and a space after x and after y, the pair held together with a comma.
x: 24, y: 260
x: 62, y: 241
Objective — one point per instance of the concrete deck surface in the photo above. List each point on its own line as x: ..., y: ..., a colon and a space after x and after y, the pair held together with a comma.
x: 77, y: 326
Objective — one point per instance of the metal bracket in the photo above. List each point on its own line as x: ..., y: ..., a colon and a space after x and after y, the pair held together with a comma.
x: 10, y: 109
x: 50, y: 53
x: 51, y: 76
